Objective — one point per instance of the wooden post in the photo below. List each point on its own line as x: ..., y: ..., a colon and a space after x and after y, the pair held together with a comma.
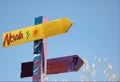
x: 39, y: 54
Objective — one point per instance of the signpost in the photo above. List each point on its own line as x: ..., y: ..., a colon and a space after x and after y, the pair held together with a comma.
x: 36, y: 32
x: 57, y: 65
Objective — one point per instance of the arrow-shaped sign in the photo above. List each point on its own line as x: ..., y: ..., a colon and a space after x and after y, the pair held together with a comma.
x: 55, y: 65
x: 64, y: 64
x: 36, y: 32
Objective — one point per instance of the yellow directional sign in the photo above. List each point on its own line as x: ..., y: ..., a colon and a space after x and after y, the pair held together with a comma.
x: 36, y: 32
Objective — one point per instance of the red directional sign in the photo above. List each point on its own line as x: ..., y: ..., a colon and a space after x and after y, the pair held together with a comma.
x: 64, y: 64
x: 27, y: 69
x: 60, y: 65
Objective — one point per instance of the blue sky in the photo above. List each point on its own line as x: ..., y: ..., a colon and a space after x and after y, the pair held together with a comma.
x: 94, y: 36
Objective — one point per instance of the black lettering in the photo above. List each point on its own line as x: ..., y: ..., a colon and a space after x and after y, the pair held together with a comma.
x: 75, y: 60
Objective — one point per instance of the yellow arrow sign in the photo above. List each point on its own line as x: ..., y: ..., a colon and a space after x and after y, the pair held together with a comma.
x: 36, y: 32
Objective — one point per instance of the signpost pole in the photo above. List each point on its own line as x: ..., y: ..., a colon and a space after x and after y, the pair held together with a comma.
x: 39, y: 56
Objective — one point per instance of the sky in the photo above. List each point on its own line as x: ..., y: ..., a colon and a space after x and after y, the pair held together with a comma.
x: 94, y: 36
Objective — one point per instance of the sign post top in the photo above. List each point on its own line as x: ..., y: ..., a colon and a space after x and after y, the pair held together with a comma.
x: 36, y: 32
